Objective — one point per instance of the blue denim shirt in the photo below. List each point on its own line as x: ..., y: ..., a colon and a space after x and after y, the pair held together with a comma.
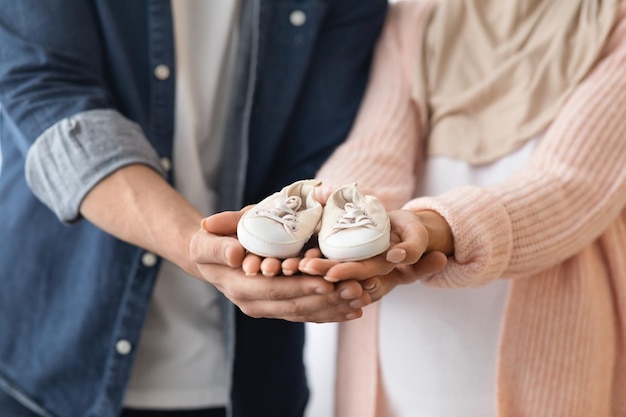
x: 79, y: 98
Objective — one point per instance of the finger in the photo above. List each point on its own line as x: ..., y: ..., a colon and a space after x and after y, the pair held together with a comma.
x: 290, y: 266
x: 207, y: 248
x: 313, y: 253
x: 396, y: 255
x: 240, y: 288
x: 314, y: 308
x: 224, y: 223
x: 430, y: 263
x: 375, y: 287
x: 370, y: 284
x: 316, y: 266
x: 270, y: 266
x: 361, y: 270
x: 251, y: 264
x: 412, y: 237
x: 378, y: 287
x: 349, y: 290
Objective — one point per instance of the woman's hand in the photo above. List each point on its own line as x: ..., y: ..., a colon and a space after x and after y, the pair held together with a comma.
x: 420, y: 243
x: 372, y: 273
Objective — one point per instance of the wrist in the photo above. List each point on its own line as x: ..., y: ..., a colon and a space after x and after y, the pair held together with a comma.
x: 440, y: 236
x: 137, y: 205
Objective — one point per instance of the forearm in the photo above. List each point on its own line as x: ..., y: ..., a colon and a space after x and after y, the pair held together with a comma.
x: 137, y: 205
x: 68, y: 159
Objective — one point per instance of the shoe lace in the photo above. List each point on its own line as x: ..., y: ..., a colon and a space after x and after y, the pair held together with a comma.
x: 285, y: 212
x: 354, y: 216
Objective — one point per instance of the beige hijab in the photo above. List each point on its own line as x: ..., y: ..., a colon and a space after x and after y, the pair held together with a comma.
x: 494, y: 73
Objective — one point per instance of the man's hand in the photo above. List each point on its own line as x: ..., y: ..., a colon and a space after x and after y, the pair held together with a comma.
x: 218, y: 256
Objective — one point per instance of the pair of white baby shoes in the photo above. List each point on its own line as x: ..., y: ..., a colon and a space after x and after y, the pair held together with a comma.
x: 353, y: 226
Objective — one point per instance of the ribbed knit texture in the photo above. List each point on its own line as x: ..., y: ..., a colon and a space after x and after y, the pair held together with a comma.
x: 558, y: 227
x: 381, y: 155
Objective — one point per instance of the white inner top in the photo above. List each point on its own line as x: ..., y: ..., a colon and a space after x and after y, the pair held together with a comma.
x: 181, y: 358
x: 439, y: 347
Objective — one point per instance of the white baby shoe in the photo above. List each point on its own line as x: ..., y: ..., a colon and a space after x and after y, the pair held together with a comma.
x: 282, y: 223
x: 354, y: 226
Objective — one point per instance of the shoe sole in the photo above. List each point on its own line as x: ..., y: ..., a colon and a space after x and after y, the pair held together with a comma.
x: 356, y: 252
x: 267, y: 249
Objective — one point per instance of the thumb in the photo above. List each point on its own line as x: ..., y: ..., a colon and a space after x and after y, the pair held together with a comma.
x: 224, y: 223
x: 208, y: 248
x: 214, y: 242
x: 409, y: 235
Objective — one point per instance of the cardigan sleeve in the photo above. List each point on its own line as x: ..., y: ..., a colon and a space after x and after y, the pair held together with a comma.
x: 384, y: 148
x: 572, y: 190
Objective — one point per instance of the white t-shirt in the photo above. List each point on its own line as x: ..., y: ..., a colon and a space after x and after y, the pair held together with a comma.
x: 181, y: 358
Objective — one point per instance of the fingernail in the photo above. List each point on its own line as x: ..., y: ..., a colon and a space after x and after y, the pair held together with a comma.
x: 268, y: 274
x: 322, y: 290
x: 288, y: 272
x: 345, y: 294
x: 351, y: 316
x: 310, y: 271
x: 396, y: 255
x: 250, y: 274
x: 369, y: 287
x: 356, y: 304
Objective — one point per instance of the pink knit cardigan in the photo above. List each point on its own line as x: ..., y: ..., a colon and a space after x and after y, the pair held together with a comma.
x: 557, y: 229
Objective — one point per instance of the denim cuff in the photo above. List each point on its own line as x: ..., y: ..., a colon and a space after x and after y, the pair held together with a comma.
x: 73, y: 155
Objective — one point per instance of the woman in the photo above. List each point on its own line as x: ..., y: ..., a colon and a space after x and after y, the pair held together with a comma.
x: 520, y: 111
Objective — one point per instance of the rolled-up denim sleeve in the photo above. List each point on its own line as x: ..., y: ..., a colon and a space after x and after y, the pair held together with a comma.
x: 69, y: 158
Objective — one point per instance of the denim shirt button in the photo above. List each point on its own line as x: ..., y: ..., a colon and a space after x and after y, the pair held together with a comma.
x: 149, y: 259
x: 162, y: 72
x: 297, y: 18
x: 123, y: 347
x: 166, y: 163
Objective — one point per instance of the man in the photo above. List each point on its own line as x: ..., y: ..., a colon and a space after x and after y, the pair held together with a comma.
x: 89, y: 216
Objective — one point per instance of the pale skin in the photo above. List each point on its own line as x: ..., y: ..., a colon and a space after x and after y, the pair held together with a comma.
x: 420, y: 245
x: 138, y: 206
